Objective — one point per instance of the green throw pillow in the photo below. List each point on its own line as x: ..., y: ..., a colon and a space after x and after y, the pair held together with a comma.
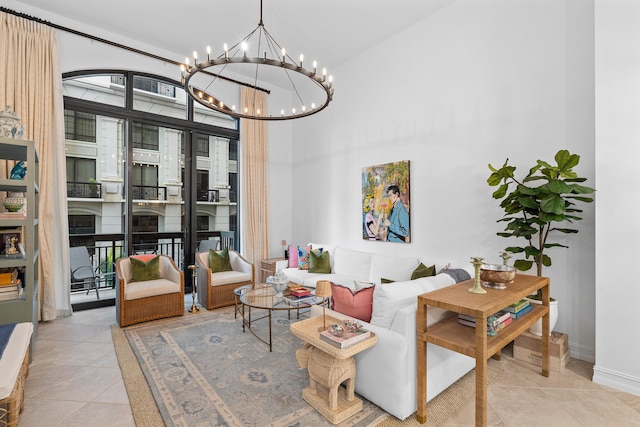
x: 383, y: 280
x: 319, y: 262
x: 142, y: 271
x: 219, y: 261
x: 423, y: 271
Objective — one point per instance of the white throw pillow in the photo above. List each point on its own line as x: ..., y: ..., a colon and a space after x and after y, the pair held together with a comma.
x: 388, y: 298
x: 352, y: 263
x: 398, y: 269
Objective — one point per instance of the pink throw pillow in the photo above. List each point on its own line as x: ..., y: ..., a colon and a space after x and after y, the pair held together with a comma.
x: 293, y: 255
x: 144, y: 257
x: 357, y: 305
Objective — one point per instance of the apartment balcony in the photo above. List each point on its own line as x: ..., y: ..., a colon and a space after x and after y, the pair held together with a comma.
x: 146, y: 192
x: 84, y: 190
x: 105, y: 249
x: 208, y: 195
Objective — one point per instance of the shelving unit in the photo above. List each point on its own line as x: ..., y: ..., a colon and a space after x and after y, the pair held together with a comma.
x: 474, y: 342
x: 24, y: 308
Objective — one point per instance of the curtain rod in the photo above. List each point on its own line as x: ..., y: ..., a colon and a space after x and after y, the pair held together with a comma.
x: 118, y: 45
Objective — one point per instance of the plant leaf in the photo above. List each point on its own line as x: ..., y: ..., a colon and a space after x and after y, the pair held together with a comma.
x: 523, y: 265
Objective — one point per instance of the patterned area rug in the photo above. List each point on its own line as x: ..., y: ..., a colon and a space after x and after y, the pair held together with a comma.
x: 204, y: 371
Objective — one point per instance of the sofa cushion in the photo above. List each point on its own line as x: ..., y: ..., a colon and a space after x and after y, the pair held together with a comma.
x: 142, y: 271
x: 352, y: 263
x: 355, y: 304
x: 219, y: 262
x: 293, y: 256
x: 391, y: 267
x: 326, y: 248
x: 389, y: 298
x: 150, y: 288
x: 319, y: 263
x: 423, y: 271
x: 303, y: 257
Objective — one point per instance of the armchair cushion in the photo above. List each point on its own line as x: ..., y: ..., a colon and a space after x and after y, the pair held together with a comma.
x: 219, y: 262
x: 149, y: 288
x: 142, y: 271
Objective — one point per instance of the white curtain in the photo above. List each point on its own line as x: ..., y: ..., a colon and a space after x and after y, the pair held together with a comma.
x: 255, y: 206
x: 31, y: 82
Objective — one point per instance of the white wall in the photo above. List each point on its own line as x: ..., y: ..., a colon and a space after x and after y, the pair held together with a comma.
x: 617, y: 69
x: 473, y: 84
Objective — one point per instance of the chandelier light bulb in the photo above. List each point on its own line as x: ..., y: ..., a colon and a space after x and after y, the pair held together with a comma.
x: 212, y: 68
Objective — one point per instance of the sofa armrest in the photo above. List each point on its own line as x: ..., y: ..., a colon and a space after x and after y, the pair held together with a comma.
x: 281, y: 265
x: 239, y: 263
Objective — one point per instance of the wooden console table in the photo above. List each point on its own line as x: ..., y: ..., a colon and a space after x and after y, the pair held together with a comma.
x: 472, y: 342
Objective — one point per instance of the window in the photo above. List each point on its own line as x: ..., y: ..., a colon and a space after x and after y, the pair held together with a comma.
x: 145, y: 229
x: 145, y: 136
x: 233, y: 150
x: 203, y: 185
x: 202, y: 145
x: 80, y: 170
x: 202, y: 223
x: 145, y: 183
x: 79, y: 126
x: 82, y: 224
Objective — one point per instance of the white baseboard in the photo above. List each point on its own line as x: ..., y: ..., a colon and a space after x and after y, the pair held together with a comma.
x: 616, y: 380
x: 582, y: 353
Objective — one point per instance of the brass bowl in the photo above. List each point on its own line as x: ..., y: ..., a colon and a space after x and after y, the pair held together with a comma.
x: 497, y: 275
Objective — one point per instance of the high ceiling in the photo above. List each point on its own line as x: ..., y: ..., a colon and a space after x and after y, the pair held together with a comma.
x: 328, y: 31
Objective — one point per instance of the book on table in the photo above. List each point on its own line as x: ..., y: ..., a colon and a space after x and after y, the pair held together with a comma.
x: 347, y: 340
x: 522, y: 312
x: 517, y: 306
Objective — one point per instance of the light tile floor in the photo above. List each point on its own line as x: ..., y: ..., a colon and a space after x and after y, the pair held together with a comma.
x: 75, y: 380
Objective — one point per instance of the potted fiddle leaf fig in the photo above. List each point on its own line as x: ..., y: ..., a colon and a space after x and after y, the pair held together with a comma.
x: 539, y: 206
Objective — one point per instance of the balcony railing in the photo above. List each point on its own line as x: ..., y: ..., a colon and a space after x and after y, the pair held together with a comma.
x: 146, y: 192
x: 84, y: 190
x: 105, y: 249
x: 208, y: 195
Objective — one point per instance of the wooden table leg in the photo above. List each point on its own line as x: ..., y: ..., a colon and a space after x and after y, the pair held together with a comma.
x: 546, y: 333
x: 481, y: 371
x: 421, y: 369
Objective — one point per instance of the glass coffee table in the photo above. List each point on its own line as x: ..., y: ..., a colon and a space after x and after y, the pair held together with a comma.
x: 263, y: 297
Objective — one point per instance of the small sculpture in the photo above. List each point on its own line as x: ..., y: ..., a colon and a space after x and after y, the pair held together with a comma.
x: 19, y: 171
x: 505, y: 255
x: 477, y: 287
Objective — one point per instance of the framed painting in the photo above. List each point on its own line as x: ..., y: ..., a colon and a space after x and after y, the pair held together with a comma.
x: 386, y: 202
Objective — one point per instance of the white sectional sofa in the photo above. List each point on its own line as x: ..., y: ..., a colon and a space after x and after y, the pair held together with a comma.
x: 386, y: 373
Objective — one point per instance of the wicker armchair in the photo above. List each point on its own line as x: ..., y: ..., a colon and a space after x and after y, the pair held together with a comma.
x: 138, y: 302
x: 215, y: 290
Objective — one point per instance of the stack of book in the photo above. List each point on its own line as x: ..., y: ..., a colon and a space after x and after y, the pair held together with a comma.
x: 519, y: 308
x: 346, y: 340
x: 499, y: 320
x: 299, y: 295
x: 10, y: 285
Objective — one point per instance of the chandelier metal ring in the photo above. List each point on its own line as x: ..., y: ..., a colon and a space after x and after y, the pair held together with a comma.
x: 269, y: 56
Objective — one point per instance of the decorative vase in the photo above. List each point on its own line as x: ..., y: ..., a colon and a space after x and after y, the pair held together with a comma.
x: 16, y: 199
x: 10, y: 126
x: 536, y: 328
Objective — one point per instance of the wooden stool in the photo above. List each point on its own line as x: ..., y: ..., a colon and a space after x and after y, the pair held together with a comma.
x: 14, y: 366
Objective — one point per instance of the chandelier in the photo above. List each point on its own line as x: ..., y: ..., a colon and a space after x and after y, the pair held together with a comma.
x: 259, y: 62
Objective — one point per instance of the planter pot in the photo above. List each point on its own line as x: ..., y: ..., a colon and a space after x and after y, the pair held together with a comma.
x: 536, y: 328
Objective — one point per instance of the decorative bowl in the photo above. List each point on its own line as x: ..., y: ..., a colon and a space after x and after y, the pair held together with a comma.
x: 278, y: 283
x: 13, y: 207
x: 497, y: 275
